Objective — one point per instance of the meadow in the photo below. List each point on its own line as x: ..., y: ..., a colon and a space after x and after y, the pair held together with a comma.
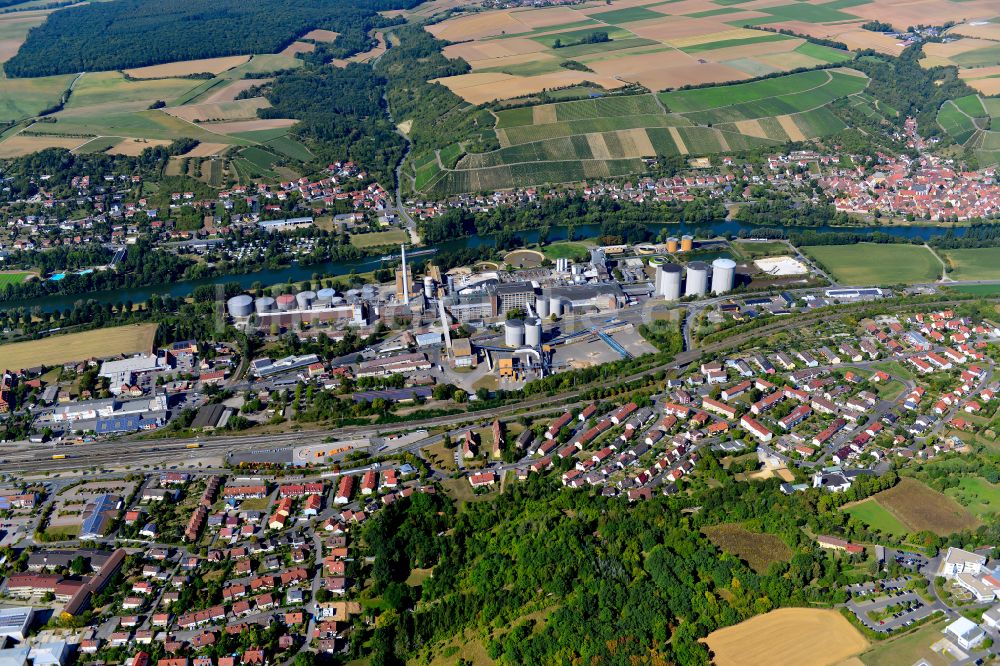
x: 877, y: 517
x: 20, y: 98
x: 876, y: 264
x: 758, y: 550
x: 377, y: 238
x: 976, y: 494
x: 920, y: 508
x: 981, y: 263
x: 60, y: 349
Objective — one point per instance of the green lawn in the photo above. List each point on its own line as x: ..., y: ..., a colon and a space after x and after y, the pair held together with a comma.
x: 864, y: 264
x: 891, y: 390
x: 12, y: 278
x: 374, y: 239
x: 756, y: 250
x: 566, y: 251
x: 907, y: 649
x: 874, y: 515
x: 977, y: 495
x: 894, y: 368
x: 979, y: 289
x: 981, y: 263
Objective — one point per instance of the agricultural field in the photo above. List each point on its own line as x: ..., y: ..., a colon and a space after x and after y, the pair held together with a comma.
x: 60, y: 349
x: 611, y: 135
x: 20, y: 98
x: 876, y: 264
x: 377, y: 238
x: 659, y: 45
x: 970, y: 121
x: 921, y: 508
x: 801, y: 636
x: 877, y: 517
x: 758, y: 550
x: 973, y: 263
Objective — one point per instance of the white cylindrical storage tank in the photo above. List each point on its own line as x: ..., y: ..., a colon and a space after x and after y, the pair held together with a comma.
x: 285, y: 302
x: 240, y: 306
x: 305, y: 299
x: 723, y: 275
x: 325, y: 295
x: 428, y: 286
x: 451, y: 284
x: 555, y: 306
x: 533, y: 332
x: 658, y: 288
x: 337, y: 300
x: 514, y: 333
x: 670, y: 287
x: 264, y: 304
x: 542, y: 307
x: 697, y: 279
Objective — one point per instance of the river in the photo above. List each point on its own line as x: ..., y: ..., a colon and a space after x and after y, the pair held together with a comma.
x: 296, y: 273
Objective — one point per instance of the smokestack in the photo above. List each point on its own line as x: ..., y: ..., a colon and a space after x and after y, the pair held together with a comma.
x: 406, y: 279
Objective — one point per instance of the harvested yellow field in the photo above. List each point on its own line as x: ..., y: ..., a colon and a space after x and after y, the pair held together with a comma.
x: 206, y: 149
x: 751, y: 128
x: 241, y: 109
x: 187, y: 67
x: 230, y: 91
x: 543, y: 114
x: 598, y: 147
x: 979, y: 29
x: 646, y: 70
x: 725, y: 35
x: 924, y: 12
x: 479, y: 88
x: 978, y: 72
x: 511, y: 47
x: 478, y: 25
x: 321, y: 35
x: 988, y: 87
x: 549, y: 16
x: 21, y: 144
x: 676, y: 29
x: 248, y: 125
x: 800, y: 636
x: 59, y: 349
x: 298, y: 47
x: 942, y: 54
x: 134, y: 147
x: 791, y: 129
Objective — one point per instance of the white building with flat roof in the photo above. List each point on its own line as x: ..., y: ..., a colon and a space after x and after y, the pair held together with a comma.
x: 123, y: 370
x: 957, y: 561
x: 966, y: 633
x: 14, y: 622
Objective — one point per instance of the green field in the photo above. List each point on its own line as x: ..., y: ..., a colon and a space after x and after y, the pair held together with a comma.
x: 12, y: 278
x: 142, y: 124
x: 864, y: 264
x: 907, y: 649
x: 569, y: 250
x: 979, y: 289
x: 376, y: 238
x: 22, y: 98
x: 757, y: 250
x: 727, y: 43
x: 874, y: 515
x: 627, y: 15
x: 96, y: 88
x: 289, y: 147
x: 977, y: 495
x: 981, y: 263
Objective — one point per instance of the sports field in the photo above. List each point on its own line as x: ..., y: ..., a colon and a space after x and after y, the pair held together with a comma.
x: 12, y: 278
x: 60, y: 349
x: 758, y: 550
x: 864, y: 264
x: 611, y: 135
x: 981, y: 263
x: 801, y: 636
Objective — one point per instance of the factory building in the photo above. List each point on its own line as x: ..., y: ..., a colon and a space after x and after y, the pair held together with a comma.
x: 601, y: 297
x: 512, y: 296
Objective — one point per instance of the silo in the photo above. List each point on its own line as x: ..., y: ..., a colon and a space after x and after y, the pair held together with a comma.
x: 368, y: 292
x: 687, y: 243
x: 672, y: 244
x: 697, y: 279
x: 336, y: 300
x: 659, y: 280
x: 352, y: 294
x: 428, y: 286
x: 305, y: 299
x: 240, y: 306
x: 285, y: 302
x: 723, y: 275
x: 542, y: 307
x: 325, y: 295
x: 514, y: 333
x: 451, y: 284
x: 555, y: 306
x: 264, y: 304
x: 670, y: 286
x: 532, y: 332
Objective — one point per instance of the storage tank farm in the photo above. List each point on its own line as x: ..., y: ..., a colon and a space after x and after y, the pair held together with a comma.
x: 723, y: 275
x: 264, y: 304
x: 305, y: 299
x: 542, y: 307
x: 240, y: 306
x: 514, y: 333
x: 285, y: 302
x: 687, y: 243
x: 532, y: 332
x: 672, y: 244
x: 670, y: 282
x: 697, y: 279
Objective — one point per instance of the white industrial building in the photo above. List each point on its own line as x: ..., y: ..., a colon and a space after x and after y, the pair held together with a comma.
x: 122, y: 371
x: 965, y: 633
x: 14, y: 622
x: 85, y: 410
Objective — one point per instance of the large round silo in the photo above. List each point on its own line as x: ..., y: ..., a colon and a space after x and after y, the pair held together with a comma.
x: 532, y: 332
x: 555, y: 306
x: 672, y: 244
x: 514, y: 333
x: 325, y: 295
x: 352, y: 295
x: 337, y: 300
x: 305, y: 299
x: 264, y: 304
x: 542, y: 307
x: 428, y: 286
x: 659, y: 280
x: 240, y: 306
x: 285, y: 302
x: 723, y: 275
x: 670, y: 285
x: 697, y: 279
x: 687, y: 243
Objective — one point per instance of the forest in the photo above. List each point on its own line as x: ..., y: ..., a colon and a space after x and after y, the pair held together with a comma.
x: 544, y: 575
x: 134, y: 33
